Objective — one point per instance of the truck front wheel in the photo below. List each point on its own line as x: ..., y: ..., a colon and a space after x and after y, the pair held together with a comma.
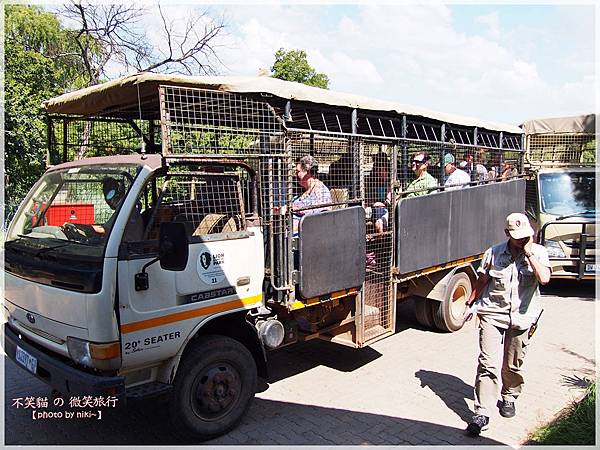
x: 213, y: 388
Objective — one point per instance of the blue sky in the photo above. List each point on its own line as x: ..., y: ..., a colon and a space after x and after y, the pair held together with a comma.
x: 497, y: 62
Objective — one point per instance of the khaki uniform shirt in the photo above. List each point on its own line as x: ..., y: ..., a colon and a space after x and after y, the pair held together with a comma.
x: 511, y: 298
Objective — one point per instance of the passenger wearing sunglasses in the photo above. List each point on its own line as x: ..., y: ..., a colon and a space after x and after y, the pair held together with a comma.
x: 424, y: 180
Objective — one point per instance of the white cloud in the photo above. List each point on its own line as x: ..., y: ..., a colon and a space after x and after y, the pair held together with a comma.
x: 345, y: 69
x: 492, y: 22
x: 414, y: 54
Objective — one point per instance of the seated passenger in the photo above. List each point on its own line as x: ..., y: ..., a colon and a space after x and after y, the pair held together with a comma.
x: 475, y: 170
x: 378, y: 194
x: 315, y: 191
x: 114, y: 194
x: 424, y: 180
x: 340, y: 172
x: 457, y: 178
x: 481, y: 171
x: 508, y: 171
x: 448, y: 157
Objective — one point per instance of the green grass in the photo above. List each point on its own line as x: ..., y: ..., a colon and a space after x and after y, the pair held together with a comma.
x: 577, y: 426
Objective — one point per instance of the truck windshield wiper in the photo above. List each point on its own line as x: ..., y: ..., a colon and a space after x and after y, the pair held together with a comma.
x: 54, y: 247
x: 47, y: 249
x: 580, y: 213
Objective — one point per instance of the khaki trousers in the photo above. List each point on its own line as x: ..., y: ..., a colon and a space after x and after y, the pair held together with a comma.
x: 501, y: 354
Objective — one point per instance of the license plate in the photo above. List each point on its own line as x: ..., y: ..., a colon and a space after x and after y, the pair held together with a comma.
x: 591, y: 267
x: 26, y: 360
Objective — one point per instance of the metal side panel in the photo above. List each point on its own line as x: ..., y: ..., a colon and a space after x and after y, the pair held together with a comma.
x: 446, y: 226
x: 331, y: 251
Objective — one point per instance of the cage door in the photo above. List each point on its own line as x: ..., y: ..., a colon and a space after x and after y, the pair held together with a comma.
x: 377, y: 303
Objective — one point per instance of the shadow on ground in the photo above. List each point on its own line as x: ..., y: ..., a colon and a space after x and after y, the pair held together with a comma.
x: 303, y: 356
x: 583, y: 290
x: 449, y: 388
x: 267, y: 423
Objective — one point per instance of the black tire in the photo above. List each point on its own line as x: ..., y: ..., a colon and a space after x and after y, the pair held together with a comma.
x: 213, y: 388
x: 424, y: 311
x: 448, y: 315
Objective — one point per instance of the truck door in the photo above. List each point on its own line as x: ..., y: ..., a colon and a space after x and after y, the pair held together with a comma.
x: 224, y: 272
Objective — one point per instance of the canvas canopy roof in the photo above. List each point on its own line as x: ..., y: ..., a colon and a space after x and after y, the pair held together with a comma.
x: 125, y: 93
x: 574, y: 124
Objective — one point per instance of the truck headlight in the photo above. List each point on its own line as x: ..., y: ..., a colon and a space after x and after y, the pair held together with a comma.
x: 554, y: 249
x: 98, y: 356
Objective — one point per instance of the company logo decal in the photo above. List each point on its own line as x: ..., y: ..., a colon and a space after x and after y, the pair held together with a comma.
x: 205, y: 259
x: 212, y: 264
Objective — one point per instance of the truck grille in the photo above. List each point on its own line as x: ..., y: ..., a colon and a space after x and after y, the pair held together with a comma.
x: 572, y: 243
x: 42, y: 334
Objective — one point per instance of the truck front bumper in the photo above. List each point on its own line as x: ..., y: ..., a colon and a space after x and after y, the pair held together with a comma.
x: 61, y: 376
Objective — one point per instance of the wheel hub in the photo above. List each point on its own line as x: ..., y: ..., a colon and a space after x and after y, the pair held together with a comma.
x: 459, y: 298
x: 216, y: 391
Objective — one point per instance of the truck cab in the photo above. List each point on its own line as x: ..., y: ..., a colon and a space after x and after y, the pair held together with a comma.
x: 561, y: 192
x: 562, y: 206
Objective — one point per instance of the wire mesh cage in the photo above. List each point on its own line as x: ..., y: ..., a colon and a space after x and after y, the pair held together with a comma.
x: 200, y: 121
x: 561, y: 148
x: 378, y: 181
x: 206, y: 203
x: 76, y: 138
x: 354, y: 157
x: 353, y: 171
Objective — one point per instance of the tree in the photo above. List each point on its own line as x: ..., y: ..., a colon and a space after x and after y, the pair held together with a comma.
x: 32, y: 30
x: 44, y: 58
x: 109, y: 33
x: 39, y: 64
x: 293, y: 65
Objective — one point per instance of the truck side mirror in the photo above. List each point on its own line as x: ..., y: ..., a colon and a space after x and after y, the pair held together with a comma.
x: 173, y: 246
x: 173, y: 252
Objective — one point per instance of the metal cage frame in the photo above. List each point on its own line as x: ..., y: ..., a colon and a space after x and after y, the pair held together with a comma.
x: 360, y: 152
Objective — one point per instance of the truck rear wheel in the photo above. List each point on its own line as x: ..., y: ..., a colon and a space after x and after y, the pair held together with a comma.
x: 213, y: 388
x: 424, y: 311
x: 448, y: 315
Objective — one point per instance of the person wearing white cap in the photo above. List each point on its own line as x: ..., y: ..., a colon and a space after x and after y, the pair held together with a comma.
x: 507, y: 295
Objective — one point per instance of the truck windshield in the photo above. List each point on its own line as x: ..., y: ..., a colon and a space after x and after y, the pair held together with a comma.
x: 73, y: 209
x: 568, y: 193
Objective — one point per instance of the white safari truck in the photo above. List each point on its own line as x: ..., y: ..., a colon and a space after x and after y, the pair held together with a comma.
x: 560, y: 160
x: 155, y: 255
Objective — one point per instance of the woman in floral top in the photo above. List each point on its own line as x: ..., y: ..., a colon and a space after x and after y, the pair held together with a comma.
x: 315, y: 191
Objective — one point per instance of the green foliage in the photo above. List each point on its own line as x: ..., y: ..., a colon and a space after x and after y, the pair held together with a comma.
x: 203, y: 142
x: 35, y: 31
x: 577, y: 427
x: 32, y: 29
x: 588, y: 155
x: 39, y: 64
x: 293, y: 65
x: 30, y: 79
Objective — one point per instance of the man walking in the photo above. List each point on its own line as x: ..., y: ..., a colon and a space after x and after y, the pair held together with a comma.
x: 508, y: 292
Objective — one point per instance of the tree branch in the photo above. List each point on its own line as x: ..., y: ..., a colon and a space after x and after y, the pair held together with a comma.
x: 108, y: 33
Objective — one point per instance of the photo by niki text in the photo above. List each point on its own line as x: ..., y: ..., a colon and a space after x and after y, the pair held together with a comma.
x: 84, y: 407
